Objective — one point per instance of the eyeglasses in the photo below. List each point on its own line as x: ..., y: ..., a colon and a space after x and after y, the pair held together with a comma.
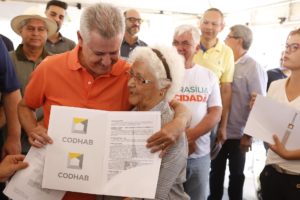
x: 292, y: 47
x: 184, y: 43
x: 138, y: 78
x: 134, y: 20
x: 231, y: 36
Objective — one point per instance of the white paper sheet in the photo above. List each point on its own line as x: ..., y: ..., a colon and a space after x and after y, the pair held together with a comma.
x: 269, y: 117
x: 27, y: 183
x: 102, y: 152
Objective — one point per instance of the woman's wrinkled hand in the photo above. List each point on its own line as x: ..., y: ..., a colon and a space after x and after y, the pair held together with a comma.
x: 163, y: 140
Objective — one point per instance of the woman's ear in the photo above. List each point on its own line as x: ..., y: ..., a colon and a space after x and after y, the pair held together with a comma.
x: 164, y: 90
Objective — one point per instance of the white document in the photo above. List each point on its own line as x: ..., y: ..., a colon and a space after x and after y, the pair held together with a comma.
x: 27, y: 183
x: 269, y: 117
x: 101, y: 152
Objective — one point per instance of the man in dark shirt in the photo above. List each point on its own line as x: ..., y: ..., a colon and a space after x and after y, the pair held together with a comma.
x: 275, y: 74
x: 133, y: 22
x: 8, y: 43
x: 56, y: 43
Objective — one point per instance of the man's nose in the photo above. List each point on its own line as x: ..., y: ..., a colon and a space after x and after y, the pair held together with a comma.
x: 106, y: 60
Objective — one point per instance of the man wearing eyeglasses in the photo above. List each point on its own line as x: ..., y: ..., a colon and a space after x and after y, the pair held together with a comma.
x: 133, y: 22
x: 249, y: 77
x: 200, y: 92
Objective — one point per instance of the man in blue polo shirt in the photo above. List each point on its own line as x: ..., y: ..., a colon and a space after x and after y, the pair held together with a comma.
x: 10, y: 96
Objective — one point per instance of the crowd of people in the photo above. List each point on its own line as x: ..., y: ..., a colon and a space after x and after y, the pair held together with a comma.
x: 202, y: 86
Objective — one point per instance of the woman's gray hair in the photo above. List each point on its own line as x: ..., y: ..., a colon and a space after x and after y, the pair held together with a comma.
x: 104, y: 18
x: 174, y: 61
x: 190, y: 29
x: 243, y: 32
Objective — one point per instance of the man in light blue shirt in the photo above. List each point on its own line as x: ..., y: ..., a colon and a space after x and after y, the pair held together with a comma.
x: 248, y: 77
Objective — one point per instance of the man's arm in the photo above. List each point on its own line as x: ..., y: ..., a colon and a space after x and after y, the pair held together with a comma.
x: 2, y: 117
x: 226, y: 92
x: 170, y: 132
x: 37, y: 133
x: 12, y: 143
x: 245, y: 143
x: 212, y: 117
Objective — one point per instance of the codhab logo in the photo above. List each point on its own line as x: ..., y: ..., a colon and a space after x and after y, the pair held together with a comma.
x: 79, y: 125
x: 75, y: 160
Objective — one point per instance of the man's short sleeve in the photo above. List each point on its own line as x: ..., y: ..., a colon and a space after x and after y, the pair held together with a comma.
x: 33, y: 95
x: 8, y: 79
x: 227, y: 76
x: 257, y: 79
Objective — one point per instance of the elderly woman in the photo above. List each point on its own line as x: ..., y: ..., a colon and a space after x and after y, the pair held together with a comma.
x: 156, y: 75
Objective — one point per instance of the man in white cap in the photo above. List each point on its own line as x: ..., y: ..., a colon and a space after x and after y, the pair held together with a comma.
x: 34, y: 28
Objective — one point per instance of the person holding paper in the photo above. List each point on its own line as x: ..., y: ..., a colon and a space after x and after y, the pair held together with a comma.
x: 10, y: 164
x: 280, y: 179
x: 156, y: 76
x: 90, y: 76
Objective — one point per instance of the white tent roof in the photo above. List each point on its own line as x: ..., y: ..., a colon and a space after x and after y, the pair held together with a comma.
x: 247, y: 11
x: 270, y: 20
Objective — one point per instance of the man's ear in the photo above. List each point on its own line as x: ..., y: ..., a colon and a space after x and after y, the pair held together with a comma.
x: 79, y: 37
x: 240, y: 41
x: 222, y: 26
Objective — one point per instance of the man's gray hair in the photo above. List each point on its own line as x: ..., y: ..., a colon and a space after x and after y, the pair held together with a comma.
x: 105, y: 19
x: 243, y: 32
x: 174, y: 61
x: 190, y: 29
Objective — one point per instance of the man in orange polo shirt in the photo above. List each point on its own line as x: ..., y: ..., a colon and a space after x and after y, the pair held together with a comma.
x: 90, y: 76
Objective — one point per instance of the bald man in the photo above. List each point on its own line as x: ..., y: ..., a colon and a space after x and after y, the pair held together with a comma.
x: 133, y: 22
